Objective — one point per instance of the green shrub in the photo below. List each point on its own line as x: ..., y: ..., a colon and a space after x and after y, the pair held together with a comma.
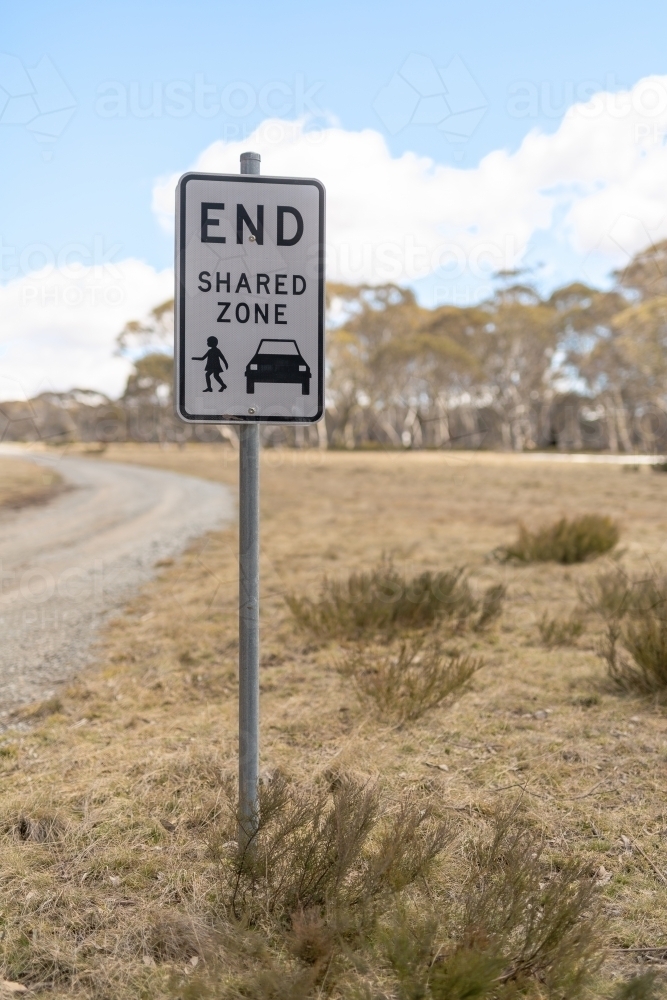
x: 402, y: 684
x: 564, y: 541
x: 560, y: 631
x: 383, y: 600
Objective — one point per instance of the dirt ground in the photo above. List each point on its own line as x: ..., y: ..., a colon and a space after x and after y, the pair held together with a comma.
x: 117, y: 759
x: 23, y: 483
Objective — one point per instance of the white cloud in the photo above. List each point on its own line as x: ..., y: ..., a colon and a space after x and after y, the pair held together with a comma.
x: 597, y: 185
x: 403, y: 218
x: 59, y: 326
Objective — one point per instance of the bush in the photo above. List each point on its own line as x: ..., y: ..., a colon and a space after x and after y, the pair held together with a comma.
x: 343, y: 895
x: 333, y: 850
x: 616, y: 595
x: 560, y: 631
x: 405, y: 684
x: 542, y: 921
x: 609, y: 594
x: 520, y: 924
x: 636, y: 655
x: 383, y: 600
x: 646, y: 986
x: 564, y: 541
x: 635, y: 610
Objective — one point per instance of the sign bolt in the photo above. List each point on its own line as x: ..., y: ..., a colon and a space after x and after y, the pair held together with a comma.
x: 252, y: 409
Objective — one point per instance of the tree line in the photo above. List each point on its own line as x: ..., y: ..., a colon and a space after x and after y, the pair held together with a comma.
x: 581, y: 369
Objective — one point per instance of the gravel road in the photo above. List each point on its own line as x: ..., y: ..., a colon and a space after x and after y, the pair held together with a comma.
x: 66, y: 566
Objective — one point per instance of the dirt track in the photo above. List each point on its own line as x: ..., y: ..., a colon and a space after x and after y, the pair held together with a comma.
x: 64, y: 567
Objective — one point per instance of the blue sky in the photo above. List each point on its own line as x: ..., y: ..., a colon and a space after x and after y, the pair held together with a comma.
x: 509, y: 70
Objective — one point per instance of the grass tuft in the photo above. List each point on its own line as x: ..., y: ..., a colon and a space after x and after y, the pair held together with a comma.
x: 170, y: 936
x: 39, y: 710
x: 560, y: 631
x: 491, y: 607
x: 405, y: 683
x: 614, y: 594
x: 642, y: 987
x: 565, y: 541
x: 384, y: 601
x: 40, y: 829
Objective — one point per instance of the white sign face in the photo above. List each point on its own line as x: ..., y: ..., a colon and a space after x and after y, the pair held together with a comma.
x: 249, y: 327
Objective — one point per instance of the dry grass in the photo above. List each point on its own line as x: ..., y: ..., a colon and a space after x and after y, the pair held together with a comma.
x: 566, y: 541
x: 562, y: 630
x: 23, y: 483
x: 114, y: 876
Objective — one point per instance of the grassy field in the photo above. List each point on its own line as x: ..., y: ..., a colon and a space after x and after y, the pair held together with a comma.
x: 110, y: 885
x: 23, y: 483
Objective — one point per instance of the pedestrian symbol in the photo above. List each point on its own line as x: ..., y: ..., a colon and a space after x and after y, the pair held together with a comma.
x: 213, y: 358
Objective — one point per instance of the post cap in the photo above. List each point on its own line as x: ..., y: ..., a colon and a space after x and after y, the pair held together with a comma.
x: 250, y: 163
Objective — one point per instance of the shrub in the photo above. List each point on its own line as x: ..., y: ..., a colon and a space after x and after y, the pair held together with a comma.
x: 609, y: 594
x: 564, y: 541
x: 636, y: 654
x: 543, y: 921
x: 383, y: 600
x: 616, y: 595
x: 333, y: 850
x: 560, y: 631
x: 643, y: 987
x: 520, y: 924
x: 635, y: 646
x: 404, y: 684
x: 492, y: 605
x: 343, y: 895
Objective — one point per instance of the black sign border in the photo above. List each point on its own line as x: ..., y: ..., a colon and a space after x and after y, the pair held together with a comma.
x: 180, y: 299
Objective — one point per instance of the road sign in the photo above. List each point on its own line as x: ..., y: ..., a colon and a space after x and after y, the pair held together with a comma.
x: 249, y: 299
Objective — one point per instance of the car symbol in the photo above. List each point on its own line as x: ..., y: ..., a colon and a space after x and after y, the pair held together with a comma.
x: 277, y: 361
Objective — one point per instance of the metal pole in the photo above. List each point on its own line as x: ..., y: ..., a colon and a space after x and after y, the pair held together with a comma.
x: 248, y: 611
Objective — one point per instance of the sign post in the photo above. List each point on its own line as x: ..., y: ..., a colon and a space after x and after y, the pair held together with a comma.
x: 250, y: 307
x: 248, y: 610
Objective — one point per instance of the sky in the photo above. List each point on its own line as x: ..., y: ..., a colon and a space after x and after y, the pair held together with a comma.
x: 455, y: 140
